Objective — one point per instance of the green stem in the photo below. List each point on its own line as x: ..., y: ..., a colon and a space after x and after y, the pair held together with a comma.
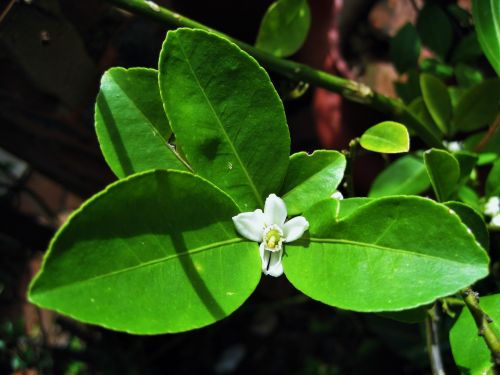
x: 483, y: 323
x: 350, y: 90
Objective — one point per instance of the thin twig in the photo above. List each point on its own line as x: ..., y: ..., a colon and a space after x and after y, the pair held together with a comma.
x: 351, y: 90
x: 433, y: 348
x: 489, y: 134
x: 483, y: 321
x: 7, y: 10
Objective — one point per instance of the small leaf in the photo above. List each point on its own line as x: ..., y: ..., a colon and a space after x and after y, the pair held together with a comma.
x: 388, y: 137
x: 131, y: 124
x: 405, y: 48
x: 473, y: 220
x: 390, y: 254
x: 444, y: 172
x: 478, y: 106
x: 405, y: 176
x: 493, y: 180
x: 225, y: 114
x: 284, y: 28
x: 470, y: 197
x: 156, y: 252
x: 418, y: 108
x: 469, y: 349
x: 467, y: 50
x: 467, y: 161
x: 435, y: 29
x: 468, y: 76
x: 311, y: 178
x: 437, y: 100
x: 486, y: 15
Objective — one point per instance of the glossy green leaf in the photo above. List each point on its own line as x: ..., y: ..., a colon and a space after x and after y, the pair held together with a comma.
x: 470, y: 197
x: 284, y: 28
x: 493, y: 180
x: 444, y: 172
x: 473, y: 220
x: 418, y: 108
x: 311, y: 178
x: 435, y: 29
x: 388, y: 137
x: 469, y: 350
x: 131, y: 124
x: 406, y: 176
x: 153, y: 253
x: 390, y: 254
x: 405, y: 48
x: 486, y: 15
x: 437, y: 100
x: 225, y: 114
x: 478, y: 106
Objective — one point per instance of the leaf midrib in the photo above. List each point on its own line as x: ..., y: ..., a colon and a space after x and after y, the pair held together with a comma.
x: 150, y: 124
x: 379, y: 247
x: 147, y: 264
x: 219, y: 122
x: 310, y: 177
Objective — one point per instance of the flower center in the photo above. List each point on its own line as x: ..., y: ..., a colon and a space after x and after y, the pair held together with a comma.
x: 273, y: 238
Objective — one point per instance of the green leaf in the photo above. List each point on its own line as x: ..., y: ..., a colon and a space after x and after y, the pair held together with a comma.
x: 410, y: 316
x: 478, y: 106
x: 156, y: 252
x: 486, y: 15
x: 467, y: 76
x: 284, y: 28
x: 455, y: 94
x: 225, y: 114
x: 406, y: 176
x: 405, y: 48
x: 444, y: 172
x: 467, y: 49
x: 469, y: 350
x: 436, y: 68
x: 493, y: 180
x: 473, y: 220
x: 470, y: 197
x: 437, y: 100
x: 311, y: 178
x: 390, y: 254
x: 410, y: 89
x: 388, y: 137
x: 435, y: 29
x: 131, y: 125
x: 467, y: 161
x: 418, y: 108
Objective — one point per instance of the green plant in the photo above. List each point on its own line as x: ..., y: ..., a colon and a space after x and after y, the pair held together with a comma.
x: 202, y: 144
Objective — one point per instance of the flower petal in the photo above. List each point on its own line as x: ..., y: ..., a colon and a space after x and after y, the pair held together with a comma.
x: 274, y: 210
x: 250, y: 224
x: 275, y: 267
x: 264, y: 256
x: 295, y: 228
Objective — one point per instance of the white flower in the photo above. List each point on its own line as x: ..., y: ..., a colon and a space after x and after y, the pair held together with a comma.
x: 453, y: 146
x: 269, y: 228
x: 492, y: 207
x: 495, y: 221
x: 337, y: 195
